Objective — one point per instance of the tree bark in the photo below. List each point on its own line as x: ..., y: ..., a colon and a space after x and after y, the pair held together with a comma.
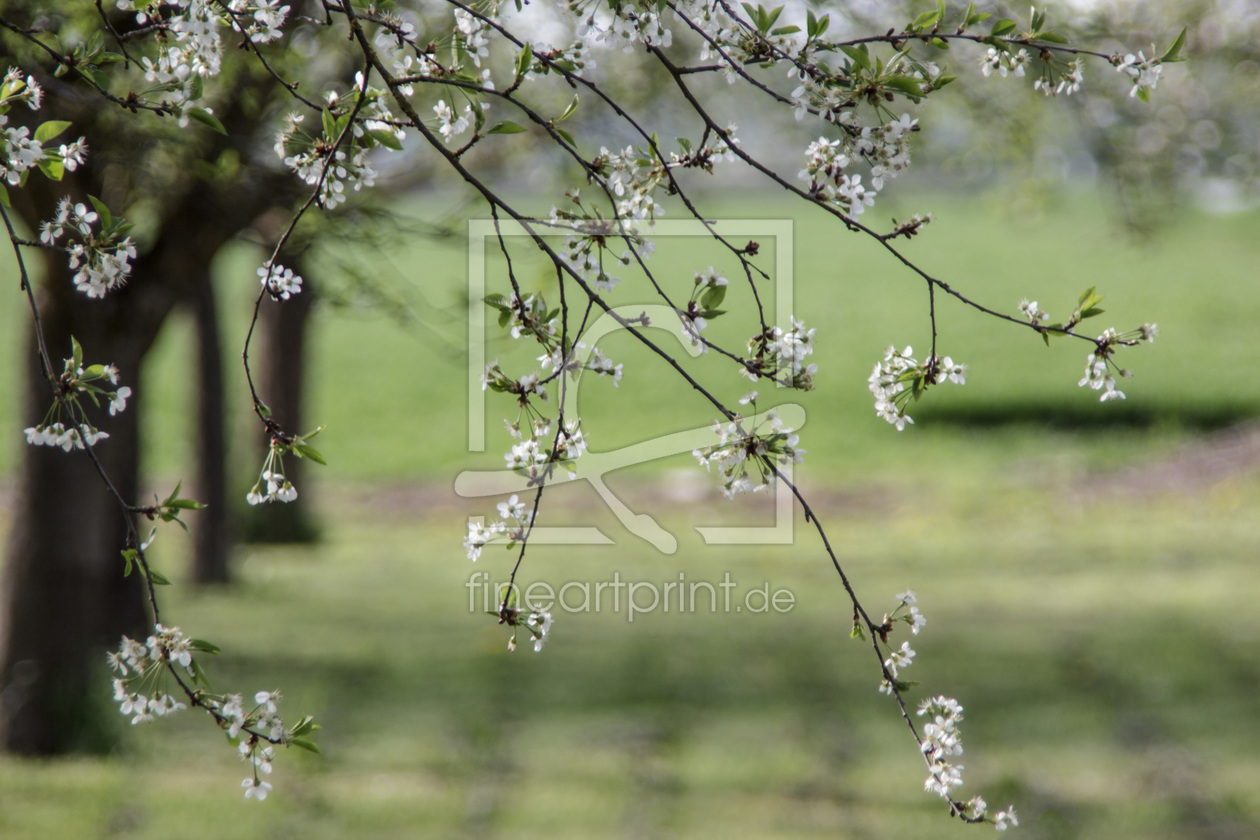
x: 65, y: 598
x: 211, y: 527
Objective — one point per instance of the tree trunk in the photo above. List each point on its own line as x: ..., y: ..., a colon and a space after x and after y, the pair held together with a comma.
x: 65, y: 599
x: 211, y: 527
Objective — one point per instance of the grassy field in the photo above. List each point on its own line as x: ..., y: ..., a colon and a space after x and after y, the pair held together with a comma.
x: 1085, y: 570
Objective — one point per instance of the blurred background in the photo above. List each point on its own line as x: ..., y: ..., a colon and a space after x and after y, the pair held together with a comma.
x: 1086, y: 569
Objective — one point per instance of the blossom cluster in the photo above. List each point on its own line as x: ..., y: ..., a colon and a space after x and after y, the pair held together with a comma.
x: 624, y: 25
x: 1142, y: 71
x: 511, y: 524
x: 280, y: 282
x: 101, y: 259
x: 827, y: 164
x: 141, y: 668
x: 272, y: 485
x: 66, y: 423
x: 319, y: 161
x: 780, y: 355
x: 192, y: 50
x: 586, y: 245
x: 900, y: 377
x: 747, y: 460
x: 22, y: 151
x: 1098, y: 364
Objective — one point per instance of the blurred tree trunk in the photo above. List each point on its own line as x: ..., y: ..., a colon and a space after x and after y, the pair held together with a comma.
x: 211, y: 526
x: 65, y: 599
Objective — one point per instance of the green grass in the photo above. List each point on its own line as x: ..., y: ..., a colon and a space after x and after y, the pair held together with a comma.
x: 1104, y: 652
x: 1091, y: 614
x: 394, y: 396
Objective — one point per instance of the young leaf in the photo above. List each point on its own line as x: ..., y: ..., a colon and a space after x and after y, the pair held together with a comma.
x: 524, y: 61
x: 102, y: 211
x: 1002, y: 27
x: 505, y: 127
x: 206, y: 118
x: 1173, y: 53
x: 310, y: 452
x: 386, y: 138
x: 50, y: 129
x: 305, y: 744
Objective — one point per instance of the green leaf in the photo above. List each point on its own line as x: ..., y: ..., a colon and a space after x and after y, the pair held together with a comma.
x: 206, y: 118
x: 174, y: 493
x: 76, y: 352
x: 568, y: 112
x: 940, y: 81
x: 185, y: 504
x: 158, y: 578
x: 905, y: 84
x: 1144, y: 94
x: 386, y: 138
x: 129, y: 556
x: 924, y: 20
x: 199, y: 676
x: 859, y: 55
x: 505, y: 127
x: 50, y: 129
x: 524, y: 61
x: 1051, y: 38
x: 53, y: 169
x: 1002, y: 27
x: 330, y: 124
x: 713, y: 297
x: 304, y: 726
x: 856, y: 632
x: 786, y: 30
x: 102, y: 211
x: 1173, y: 53
x: 310, y: 452
x: 95, y: 43
x: 305, y: 744
x: 203, y: 646
x: 565, y: 136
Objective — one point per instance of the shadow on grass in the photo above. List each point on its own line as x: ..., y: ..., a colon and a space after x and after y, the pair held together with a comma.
x: 1085, y: 416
